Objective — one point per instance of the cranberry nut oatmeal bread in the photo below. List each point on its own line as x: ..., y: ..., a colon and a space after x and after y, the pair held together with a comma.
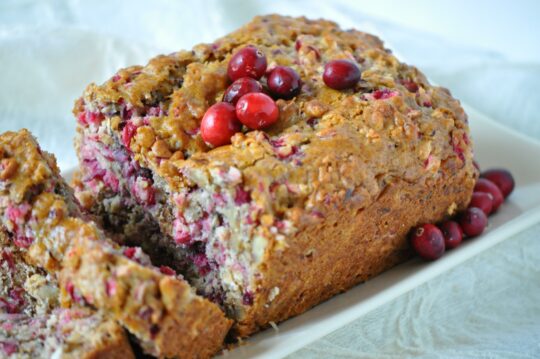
x: 283, y: 217
x: 154, y: 303
x: 33, y: 326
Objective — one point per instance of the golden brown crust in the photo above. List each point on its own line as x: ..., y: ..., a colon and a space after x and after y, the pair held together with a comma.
x: 350, y: 246
x: 118, y: 347
x: 107, y: 341
x: 162, y: 311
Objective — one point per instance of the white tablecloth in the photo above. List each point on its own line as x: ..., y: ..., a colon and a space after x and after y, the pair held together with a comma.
x: 489, y: 307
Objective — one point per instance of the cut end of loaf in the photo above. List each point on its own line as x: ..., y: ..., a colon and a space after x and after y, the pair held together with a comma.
x: 45, y: 223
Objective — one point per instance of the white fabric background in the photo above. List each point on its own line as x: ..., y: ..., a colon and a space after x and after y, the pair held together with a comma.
x: 487, y: 308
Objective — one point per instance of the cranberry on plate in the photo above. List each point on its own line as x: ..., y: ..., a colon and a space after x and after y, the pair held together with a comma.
x: 485, y: 185
x: 284, y: 82
x: 341, y: 74
x: 247, y: 62
x: 473, y: 221
x: 502, y: 179
x: 453, y: 234
x: 241, y: 87
x: 257, y: 110
x: 482, y: 200
x: 219, y: 124
x: 428, y: 241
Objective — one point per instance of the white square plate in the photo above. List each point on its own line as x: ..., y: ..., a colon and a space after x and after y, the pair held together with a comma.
x: 495, y: 146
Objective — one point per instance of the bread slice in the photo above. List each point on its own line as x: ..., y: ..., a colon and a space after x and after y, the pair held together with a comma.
x: 155, y: 304
x: 284, y: 218
x: 32, y: 325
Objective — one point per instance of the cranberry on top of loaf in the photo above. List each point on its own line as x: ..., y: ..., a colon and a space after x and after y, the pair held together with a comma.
x: 156, y: 109
x: 356, y: 132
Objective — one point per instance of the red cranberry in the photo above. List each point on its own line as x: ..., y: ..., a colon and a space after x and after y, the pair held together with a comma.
x: 16, y: 296
x: 384, y: 94
x: 201, y: 262
x: 154, y: 330
x: 247, y: 298
x: 167, y: 270
x: 7, y: 257
x: 341, y: 74
x: 284, y: 82
x: 410, y: 85
x: 70, y: 289
x: 8, y: 307
x: 502, y: 179
x: 22, y: 241
x: 247, y: 62
x: 128, y: 132
x: 110, y: 287
x: 182, y: 238
x: 257, y: 110
x: 129, y: 252
x: 428, y: 241
x: 241, y: 87
x: 242, y: 196
x: 482, y: 200
x: 9, y: 347
x: 181, y: 233
x: 485, y: 185
x: 453, y: 235
x: 81, y: 118
x: 219, y: 124
x: 86, y: 118
x: 473, y: 221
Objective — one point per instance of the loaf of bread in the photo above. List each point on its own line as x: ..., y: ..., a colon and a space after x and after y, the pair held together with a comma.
x: 154, y: 303
x: 282, y: 218
x: 32, y: 325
